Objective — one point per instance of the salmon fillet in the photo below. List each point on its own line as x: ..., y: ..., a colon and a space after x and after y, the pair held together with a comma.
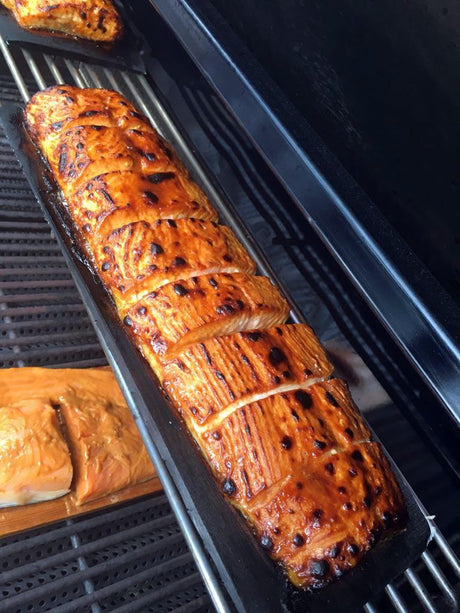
x: 107, y: 452
x: 106, y: 447
x: 214, y: 377
x: 285, y: 443
x: 95, y: 20
x: 34, y: 459
x: 139, y: 258
x: 180, y: 314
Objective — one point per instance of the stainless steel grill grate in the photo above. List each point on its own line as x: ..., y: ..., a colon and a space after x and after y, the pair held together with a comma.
x: 45, y: 322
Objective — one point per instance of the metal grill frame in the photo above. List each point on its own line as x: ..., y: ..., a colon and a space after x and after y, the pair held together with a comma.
x: 143, y: 95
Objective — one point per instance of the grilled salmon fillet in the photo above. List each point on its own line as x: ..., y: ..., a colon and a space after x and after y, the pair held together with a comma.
x: 285, y: 442
x: 180, y: 314
x: 34, y: 459
x: 139, y: 258
x: 212, y: 378
x: 96, y: 20
x: 106, y: 449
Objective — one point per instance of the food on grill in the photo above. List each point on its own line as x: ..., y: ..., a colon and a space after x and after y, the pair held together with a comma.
x: 34, y: 459
x: 256, y: 364
x: 137, y: 258
x: 95, y: 20
x: 285, y: 443
x: 193, y: 310
x: 106, y: 449
x: 105, y: 445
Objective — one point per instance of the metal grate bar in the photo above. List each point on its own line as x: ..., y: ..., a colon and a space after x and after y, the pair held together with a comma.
x: 143, y: 95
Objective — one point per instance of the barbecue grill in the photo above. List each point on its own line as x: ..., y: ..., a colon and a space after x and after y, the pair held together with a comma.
x: 146, y: 555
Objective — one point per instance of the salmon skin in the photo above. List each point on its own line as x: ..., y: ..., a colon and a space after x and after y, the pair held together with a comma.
x: 285, y: 442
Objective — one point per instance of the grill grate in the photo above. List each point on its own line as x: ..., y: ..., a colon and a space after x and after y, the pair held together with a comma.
x: 134, y: 557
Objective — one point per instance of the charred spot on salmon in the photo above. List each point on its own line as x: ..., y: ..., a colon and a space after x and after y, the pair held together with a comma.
x: 349, y: 432
x: 171, y: 223
x: 86, y: 227
x: 105, y: 266
x: 180, y: 289
x: 287, y: 374
x: 320, y: 444
x: 286, y: 442
x: 266, y: 542
x: 377, y: 491
x: 81, y: 146
x: 128, y: 321
x: 179, y: 262
x: 341, y: 489
x: 330, y: 468
x: 254, y: 336
x: 295, y: 415
x: 224, y: 309
x: 159, y: 177
x: 107, y: 196
x: 63, y: 159
x: 367, y: 501
x: 88, y: 113
x: 304, y: 399
x: 357, y: 455
x: 97, y: 128
x: 220, y: 375
x: 330, y: 398
x: 318, y: 568
x: 216, y: 435
x: 347, y: 506
x: 298, y: 540
x: 213, y: 283
x: 151, y: 196
x: 352, y: 472
x: 148, y: 155
x: 229, y: 487
x: 276, y: 356
x: 57, y: 125
x: 307, y: 372
x: 353, y: 549
x: 227, y: 258
x: 335, y: 550
x: 136, y: 115
x: 156, y: 249
x: 141, y: 310
x: 240, y: 304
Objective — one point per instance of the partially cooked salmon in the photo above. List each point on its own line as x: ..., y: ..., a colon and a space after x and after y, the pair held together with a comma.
x: 34, y: 459
x: 96, y: 20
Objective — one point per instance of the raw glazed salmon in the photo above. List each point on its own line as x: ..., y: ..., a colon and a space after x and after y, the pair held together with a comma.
x: 286, y: 444
x: 34, y: 459
x: 95, y: 20
x: 106, y: 449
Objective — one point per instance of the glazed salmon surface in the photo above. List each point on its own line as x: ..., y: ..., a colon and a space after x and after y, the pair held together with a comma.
x: 95, y: 20
x: 285, y: 442
x: 34, y: 458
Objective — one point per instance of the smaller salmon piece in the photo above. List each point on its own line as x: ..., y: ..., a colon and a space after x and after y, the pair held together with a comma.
x: 181, y: 314
x: 106, y: 447
x: 34, y: 459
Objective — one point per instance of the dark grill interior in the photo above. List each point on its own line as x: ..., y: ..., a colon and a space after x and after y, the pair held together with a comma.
x: 134, y: 557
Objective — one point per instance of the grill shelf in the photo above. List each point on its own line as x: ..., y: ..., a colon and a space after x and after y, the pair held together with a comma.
x: 50, y: 323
